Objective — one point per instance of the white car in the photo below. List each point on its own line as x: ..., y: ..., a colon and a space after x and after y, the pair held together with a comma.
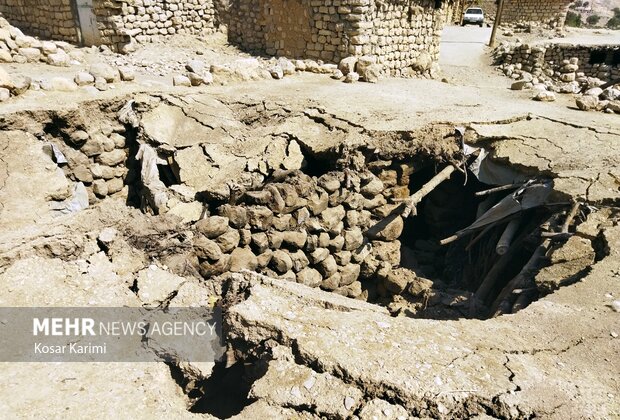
x: 474, y: 15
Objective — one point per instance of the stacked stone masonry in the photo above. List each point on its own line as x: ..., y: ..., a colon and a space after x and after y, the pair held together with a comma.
x: 98, y: 159
x: 48, y: 19
x: 318, y: 231
x: 149, y: 19
x: 598, y: 61
x: 404, y: 36
x: 551, y: 12
x: 117, y: 21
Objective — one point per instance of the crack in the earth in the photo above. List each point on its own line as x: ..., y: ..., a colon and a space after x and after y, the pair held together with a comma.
x: 574, y: 125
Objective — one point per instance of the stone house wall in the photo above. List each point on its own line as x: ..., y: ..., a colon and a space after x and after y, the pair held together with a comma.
x: 602, y: 61
x: 402, y: 34
x: 149, y: 19
x: 117, y: 20
x: 550, y: 12
x: 49, y: 19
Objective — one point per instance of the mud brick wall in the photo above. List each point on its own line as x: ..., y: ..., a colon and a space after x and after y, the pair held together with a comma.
x: 49, y: 19
x: 403, y: 35
x: 551, y: 12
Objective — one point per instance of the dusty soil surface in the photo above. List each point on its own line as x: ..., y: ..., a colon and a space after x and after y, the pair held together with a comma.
x: 296, y: 351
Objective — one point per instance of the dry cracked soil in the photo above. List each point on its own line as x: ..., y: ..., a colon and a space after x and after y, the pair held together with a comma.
x: 285, y: 202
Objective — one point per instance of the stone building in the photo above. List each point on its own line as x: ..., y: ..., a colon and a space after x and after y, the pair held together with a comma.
x: 551, y: 12
x: 403, y: 35
x: 115, y: 23
x: 548, y: 12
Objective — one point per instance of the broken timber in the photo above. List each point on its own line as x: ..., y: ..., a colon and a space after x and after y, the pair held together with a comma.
x: 414, y: 200
x: 408, y: 206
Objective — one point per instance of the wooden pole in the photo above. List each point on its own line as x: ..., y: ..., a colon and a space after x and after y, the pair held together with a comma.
x: 506, y: 239
x: 520, y: 280
x: 497, y: 189
x: 570, y: 216
x: 415, y: 199
x: 498, y: 17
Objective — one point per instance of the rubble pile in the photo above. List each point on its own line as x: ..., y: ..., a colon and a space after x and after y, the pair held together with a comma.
x: 95, y: 158
x: 15, y: 47
x: 540, y: 29
x: 336, y: 222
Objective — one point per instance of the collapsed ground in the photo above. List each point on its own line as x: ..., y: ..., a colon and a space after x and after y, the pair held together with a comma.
x: 299, y: 351
x: 295, y: 165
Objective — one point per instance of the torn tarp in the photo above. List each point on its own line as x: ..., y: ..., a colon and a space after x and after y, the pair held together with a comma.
x: 490, y: 172
x: 529, y: 196
x: 78, y: 201
x: 154, y: 191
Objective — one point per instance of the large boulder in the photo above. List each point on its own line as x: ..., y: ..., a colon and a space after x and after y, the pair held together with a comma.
x: 422, y: 62
x: 364, y: 62
x: 347, y: 65
x: 586, y: 102
x: 372, y: 73
x: 105, y: 71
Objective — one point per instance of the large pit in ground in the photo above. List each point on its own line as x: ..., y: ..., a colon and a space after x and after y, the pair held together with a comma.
x: 253, y: 196
x: 253, y: 193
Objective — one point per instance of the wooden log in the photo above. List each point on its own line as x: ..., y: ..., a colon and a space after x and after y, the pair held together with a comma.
x: 414, y: 200
x: 498, y: 189
x: 569, y: 218
x: 526, y: 273
x: 506, y: 239
x: 493, y: 274
x: 479, y: 236
x: 524, y: 299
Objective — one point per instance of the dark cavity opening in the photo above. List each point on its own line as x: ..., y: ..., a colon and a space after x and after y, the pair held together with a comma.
x: 225, y: 393
x: 598, y: 57
x: 459, y: 269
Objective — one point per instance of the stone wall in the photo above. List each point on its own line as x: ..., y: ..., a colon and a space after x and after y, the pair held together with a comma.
x: 149, y: 19
x: 598, y: 61
x: 49, y: 19
x: 118, y: 21
x: 318, y: 231
x: 551, y: 12
x: 602, y: 61
x: 400, y: 34
x: 98, y: 159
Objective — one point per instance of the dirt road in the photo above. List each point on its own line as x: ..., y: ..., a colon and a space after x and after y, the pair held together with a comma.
x: 464, y: 46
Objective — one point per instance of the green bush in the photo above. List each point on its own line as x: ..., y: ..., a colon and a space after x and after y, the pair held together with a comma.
x: 576, y: 4
x: 593, y: 19
x: 573, y: 19
x: 613, y: 23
